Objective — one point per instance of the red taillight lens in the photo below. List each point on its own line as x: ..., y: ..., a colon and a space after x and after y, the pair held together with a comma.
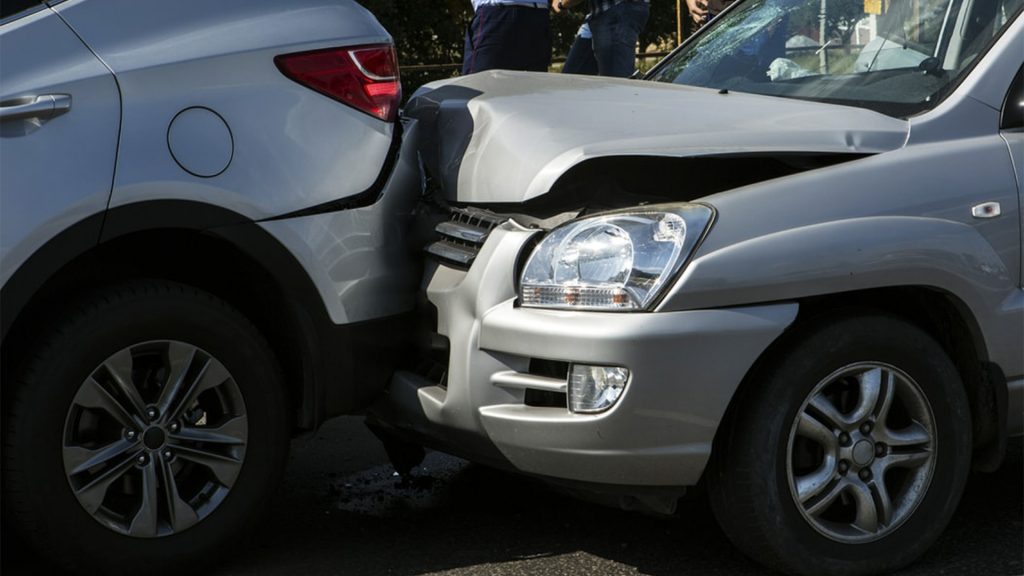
x: 364, y: 77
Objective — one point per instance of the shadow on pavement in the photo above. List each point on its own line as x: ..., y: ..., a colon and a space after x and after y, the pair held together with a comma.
x: 342, y: 511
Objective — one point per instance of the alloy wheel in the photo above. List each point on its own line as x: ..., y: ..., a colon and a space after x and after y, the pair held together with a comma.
x: 860, y: 454
x: 155, y: 438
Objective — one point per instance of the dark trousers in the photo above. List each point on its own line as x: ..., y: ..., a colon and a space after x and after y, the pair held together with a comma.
x: 581, y: 58
x: 508, y: 38
x: 616, y: 32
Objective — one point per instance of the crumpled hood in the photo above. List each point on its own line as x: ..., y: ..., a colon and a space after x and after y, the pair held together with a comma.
x: 506, y: 137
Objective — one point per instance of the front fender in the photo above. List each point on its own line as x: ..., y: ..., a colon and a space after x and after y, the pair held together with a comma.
x: 856, y: 254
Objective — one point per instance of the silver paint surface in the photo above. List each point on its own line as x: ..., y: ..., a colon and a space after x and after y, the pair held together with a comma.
x: 294, y: 147
x: 53, y: 172
x: 900, y: 216
x: 265, y: 145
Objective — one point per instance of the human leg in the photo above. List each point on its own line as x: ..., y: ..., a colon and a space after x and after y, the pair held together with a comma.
x: 580, y: 59
x: 508, y: 37
x: 616, y: 32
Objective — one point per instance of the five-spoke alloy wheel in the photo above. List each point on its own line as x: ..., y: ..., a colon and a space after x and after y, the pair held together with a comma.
x: 860, y: 452
x: 847, y: 450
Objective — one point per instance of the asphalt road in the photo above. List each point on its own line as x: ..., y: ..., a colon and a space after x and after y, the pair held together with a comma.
x: 342, y: 512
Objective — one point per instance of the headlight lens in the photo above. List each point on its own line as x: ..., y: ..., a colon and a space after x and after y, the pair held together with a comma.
x: 614, y: 261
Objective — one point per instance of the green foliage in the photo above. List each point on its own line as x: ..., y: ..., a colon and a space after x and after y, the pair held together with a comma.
x: 425, y: 33
x: 843, y: 18
x: 661, y: 27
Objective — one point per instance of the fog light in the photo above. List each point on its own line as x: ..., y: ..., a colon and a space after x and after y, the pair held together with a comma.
x: 595, y: 388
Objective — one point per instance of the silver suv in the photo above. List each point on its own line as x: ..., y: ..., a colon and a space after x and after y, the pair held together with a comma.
x: 202, y: 209
x: 782, y: 267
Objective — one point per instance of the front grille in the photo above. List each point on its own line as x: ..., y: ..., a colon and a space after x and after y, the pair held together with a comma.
x: 462, y: 235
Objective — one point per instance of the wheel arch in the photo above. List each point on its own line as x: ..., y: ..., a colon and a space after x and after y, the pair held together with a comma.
x: 942, y: 315
x: 205, y: 246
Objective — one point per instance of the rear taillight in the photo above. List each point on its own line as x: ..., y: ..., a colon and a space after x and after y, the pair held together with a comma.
x: 364, y: 77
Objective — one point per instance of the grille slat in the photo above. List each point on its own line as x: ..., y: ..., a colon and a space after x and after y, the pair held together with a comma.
x: 463, y: 235
x: 451, y: 252
x: 463, y: 232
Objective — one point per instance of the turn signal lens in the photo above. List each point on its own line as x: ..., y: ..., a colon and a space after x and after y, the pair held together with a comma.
x: 363, y: 77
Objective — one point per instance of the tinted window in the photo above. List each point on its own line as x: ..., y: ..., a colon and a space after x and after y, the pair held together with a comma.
x: 11, y: 7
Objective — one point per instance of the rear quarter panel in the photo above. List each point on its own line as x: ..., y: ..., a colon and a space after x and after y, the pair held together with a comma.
x: 293, y: 148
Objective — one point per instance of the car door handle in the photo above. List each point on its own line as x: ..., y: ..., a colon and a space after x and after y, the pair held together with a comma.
x: 41, y: 107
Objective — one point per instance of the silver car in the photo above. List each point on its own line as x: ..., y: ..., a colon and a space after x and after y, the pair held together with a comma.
x: 202, y: 210
x: 788, y: 271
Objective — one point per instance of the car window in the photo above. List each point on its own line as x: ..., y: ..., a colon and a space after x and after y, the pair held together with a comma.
x: 12, y: 7
x: 899, y: 57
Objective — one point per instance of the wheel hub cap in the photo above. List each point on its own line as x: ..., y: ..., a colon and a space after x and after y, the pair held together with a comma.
x: 154, y: 438
x: 860, y: 455
x: 863, y: 453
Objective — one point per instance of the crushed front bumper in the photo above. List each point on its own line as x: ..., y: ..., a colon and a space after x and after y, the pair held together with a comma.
x: 684, y: 369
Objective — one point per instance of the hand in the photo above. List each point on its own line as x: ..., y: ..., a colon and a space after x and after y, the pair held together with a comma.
x: 558, y: 5
x: 698, y: 10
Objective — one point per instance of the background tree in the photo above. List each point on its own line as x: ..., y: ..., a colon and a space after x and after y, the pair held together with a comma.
x: 842, y: 19
x: 660, y: 32
x: 425, y: 33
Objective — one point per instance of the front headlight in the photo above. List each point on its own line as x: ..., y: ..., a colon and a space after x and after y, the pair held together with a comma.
x: 614, y: 261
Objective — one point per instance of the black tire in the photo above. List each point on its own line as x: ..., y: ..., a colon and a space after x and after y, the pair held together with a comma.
x: 47, y: 416
x: 755, y: 480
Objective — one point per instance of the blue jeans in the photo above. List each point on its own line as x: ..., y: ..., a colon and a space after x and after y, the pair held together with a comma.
x: 616, y: 32
x: 581, y: 57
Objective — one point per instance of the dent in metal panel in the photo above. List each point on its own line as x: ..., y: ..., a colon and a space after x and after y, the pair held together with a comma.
x: 462, y: 298
x: 520, y: 131
x: 359, y: 259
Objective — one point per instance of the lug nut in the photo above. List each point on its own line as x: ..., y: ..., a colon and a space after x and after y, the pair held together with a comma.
x: 865, y: 428
x: 865, y: 474
x: 142, y: 459
x: 152, y: 413
x: 168, y: 454
x: 844, y: 466
x: 131, y: 434
x: 174, y: 427
x: 879, y: 449
x: 844, y: 439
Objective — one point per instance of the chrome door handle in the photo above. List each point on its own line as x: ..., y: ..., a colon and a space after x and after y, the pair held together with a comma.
x: 42, y: 107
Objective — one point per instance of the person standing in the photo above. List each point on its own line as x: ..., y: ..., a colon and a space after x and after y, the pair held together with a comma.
x: 580, y: 59
x: 701, y: 11
x: 615, y: 27
x: 508, y: 34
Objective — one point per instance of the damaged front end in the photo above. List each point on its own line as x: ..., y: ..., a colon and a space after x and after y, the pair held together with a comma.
x: 509, y: 157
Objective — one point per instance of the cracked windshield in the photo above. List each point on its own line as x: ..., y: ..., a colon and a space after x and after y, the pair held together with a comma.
x: 899, y: 57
